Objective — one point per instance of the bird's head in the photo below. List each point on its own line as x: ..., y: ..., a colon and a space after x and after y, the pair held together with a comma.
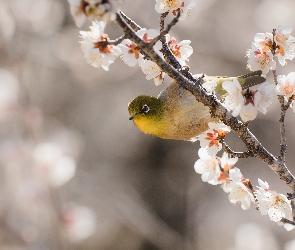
x: 145, y: 107
x: 147, y: 113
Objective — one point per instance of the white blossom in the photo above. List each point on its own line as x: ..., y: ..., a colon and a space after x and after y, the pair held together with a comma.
x: 182, y: 51
x: 237, y: 190
x: 94, y: 47
x: 247, y: 103
x: 234, y: 100
x: 267, y: 92
x: 208, y: 167
x: 210, y: 138
x: 286, y: 85
x: 131, y: 53
x: 152, y: 71
x: 285, y: 44
x: 260, y: 60
x: 227, y: 163
x: 277, y: 206
x: 267, y: 45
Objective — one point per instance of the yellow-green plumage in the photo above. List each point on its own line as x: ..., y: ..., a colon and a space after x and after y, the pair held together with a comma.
x: 175, y: 116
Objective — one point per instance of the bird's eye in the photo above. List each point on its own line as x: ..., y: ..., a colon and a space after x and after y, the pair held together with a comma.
x: 145, y: 109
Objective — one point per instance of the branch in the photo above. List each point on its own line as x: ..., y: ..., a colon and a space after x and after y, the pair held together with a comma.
x: 284, y: 220
x: 216, y: 106
x: 130, y: 22
x: 165, y: 31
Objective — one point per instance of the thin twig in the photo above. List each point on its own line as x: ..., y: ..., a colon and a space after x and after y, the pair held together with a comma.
x: 162, y: 20
x: 117, y: 41
x: 283, y: 139
x: 130, y: 22
x: 285, y: 221
x: 165, y: 31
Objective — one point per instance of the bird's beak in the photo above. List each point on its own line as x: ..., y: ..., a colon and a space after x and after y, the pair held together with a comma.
x: 132, y: 117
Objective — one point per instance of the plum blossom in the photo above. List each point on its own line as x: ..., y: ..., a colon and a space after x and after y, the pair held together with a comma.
x: 152, y: 71
x: 237, y: 189
x: 277, y: 206
x: 267, y: 45
x: 227, y: 163
x: 148, y: 67
x: 163, y: 6
x: 95, y: 48
x: 81, y: 10
x: 286, y: 85
x: 131, y: 52
x: 285, y: 44
x: 247, y: 103
x: 260, y: 60
x: 208, y: 167
x: 210, y: 138
x: 182, y: 51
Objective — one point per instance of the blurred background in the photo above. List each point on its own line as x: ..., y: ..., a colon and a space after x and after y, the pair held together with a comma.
x: 77, y: 174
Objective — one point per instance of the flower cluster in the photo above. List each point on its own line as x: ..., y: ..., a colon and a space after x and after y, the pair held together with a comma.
x: 83, y: 9
x: 247, y: 103
x: 131, y: 55
x: 98, y: 51
x: 268, y: 45
x: 216, y: 170
x: 277, y: 206
x: 220, y: 170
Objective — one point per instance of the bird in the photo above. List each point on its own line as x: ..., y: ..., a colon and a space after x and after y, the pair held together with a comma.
x: 176, y: 114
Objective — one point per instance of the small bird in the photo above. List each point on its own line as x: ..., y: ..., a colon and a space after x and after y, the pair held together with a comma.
x: 178, y: 115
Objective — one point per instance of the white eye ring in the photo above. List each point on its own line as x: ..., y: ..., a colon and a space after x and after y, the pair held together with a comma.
x: 145, y: 109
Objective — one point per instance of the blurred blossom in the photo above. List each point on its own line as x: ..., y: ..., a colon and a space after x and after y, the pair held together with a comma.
x: 78, y: 221
x: 7, y: 24
x: 8, y: 92
x: 102, y: 9
x: 60, y: 167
